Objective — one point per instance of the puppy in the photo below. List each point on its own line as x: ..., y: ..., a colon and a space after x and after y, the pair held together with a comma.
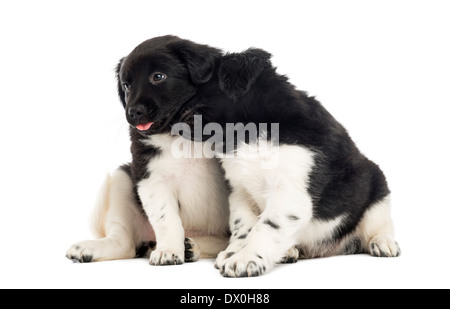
x: 300, y: 187
x: 164, y: 194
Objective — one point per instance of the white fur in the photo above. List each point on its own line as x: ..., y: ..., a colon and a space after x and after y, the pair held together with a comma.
x: 271, y: 212
x: 117, y: 222
x: 311, y: 237
x: 376, y: 230
x: 182, y: 194
x: 195, y: 182
x: 265, y: 196
x: 197, y: 185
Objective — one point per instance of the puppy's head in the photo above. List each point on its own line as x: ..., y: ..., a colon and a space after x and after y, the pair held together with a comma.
x: 159, y: 76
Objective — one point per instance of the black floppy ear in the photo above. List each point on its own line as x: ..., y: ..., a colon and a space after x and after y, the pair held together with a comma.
x: 119, y: 83
x: 200, y: 59
x: 238, y: 71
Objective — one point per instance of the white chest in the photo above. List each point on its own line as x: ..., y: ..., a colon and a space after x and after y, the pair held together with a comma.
x: 196, y: 183
x: 263, y: 169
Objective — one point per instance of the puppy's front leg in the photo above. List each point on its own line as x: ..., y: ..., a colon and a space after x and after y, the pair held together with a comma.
x: 162, y: 209
x: 288, y: 210
x: 242, y: 220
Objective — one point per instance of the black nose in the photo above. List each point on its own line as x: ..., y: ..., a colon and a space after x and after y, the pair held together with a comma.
x: 136, y: 111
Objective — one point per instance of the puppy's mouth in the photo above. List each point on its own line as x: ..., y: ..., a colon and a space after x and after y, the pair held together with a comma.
x: 153, y: 127
x: 159, y: 124
x: 144, y: 126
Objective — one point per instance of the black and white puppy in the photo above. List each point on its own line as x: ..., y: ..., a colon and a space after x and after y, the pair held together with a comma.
x: 164, y: 194
x: 300, y: 187
x: 320, y: 196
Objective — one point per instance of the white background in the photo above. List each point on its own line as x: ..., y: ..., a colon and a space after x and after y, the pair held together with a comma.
x: 382, y: 68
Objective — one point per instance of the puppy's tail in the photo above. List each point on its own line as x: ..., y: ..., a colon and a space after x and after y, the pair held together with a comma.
x: 101, y: 208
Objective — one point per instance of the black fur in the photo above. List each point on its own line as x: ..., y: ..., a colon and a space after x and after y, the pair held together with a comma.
x: 185, y: 63
x: 272, y: 224
x: 245, y: 88
x: 238, y: 72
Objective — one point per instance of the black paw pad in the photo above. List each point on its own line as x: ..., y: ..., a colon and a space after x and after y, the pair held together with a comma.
x: 191, y: 250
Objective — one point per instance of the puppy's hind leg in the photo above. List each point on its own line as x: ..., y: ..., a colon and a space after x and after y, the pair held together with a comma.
x: 118, y: 223
x: 376, y: 230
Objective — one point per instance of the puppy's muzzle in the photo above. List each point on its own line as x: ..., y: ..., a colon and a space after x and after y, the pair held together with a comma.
x: 136, y: 112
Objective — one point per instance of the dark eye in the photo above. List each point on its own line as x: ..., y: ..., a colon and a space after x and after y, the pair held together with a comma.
x: 157, y: 77
x: 126, y: 87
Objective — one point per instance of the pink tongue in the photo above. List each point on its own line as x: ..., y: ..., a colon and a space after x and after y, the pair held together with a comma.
x: 145, y: 126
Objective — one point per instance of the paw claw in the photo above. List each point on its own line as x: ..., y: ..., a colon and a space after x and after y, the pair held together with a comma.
x: 221, y: 257
x: 241, y: 264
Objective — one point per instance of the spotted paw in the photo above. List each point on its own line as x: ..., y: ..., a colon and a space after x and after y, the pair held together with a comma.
x: 243, y: 264
x: 163, y: 257
x: 384, y: 246
x: 99, y: 250
x: 81, y: 253
x: 191, y: 250
x: 221, y: 257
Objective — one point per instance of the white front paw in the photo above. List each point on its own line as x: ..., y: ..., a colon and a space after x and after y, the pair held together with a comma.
x: 221, y: 258
x: 233, y: 247
x: 165, y: 257
x: 243, y: 264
